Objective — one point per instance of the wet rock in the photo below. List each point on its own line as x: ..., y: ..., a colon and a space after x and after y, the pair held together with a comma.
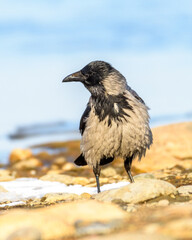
x: 30, y: 163
x: 64, y: 220
x: 140, y: 191
x: 19, y: 155
x: 185, y: 190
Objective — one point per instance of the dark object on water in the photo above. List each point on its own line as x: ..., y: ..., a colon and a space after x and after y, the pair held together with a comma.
x: 115, y: 122
x: 41, y: 129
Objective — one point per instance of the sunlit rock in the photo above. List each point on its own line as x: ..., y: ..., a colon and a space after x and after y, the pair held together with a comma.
x: 19, y: 155
x: 139, y: 191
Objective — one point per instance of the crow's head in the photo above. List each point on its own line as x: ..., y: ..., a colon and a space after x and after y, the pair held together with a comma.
x: 99, y: 78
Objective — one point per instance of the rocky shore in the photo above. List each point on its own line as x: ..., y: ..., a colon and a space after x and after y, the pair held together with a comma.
x: 157, y: 206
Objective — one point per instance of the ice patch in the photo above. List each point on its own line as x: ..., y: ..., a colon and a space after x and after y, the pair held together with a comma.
x: 31, y: 188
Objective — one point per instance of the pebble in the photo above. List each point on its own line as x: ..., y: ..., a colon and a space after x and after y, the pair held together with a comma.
x: 85, y: 196
x: 68, y: 166
x: 163, y: 203
x: 185, y: 190
x: 139, y: 191
x: 19, y: 155
x: 60, y: 161
x: 30, y: 163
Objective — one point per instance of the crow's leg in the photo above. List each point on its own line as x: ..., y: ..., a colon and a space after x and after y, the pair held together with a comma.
x: 97, y: 171
x: 127, y: 165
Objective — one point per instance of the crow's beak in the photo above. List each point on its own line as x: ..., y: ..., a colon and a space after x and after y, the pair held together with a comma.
x: 75, y: 77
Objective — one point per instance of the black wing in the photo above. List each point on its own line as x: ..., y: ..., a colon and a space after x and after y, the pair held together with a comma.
x: 105, y: 160
x: 84, y: 119
x: 80, y: 161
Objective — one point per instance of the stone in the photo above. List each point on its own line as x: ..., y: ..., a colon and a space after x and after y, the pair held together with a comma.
x: 85, y: 196
x: 19, y: 155
x: 68, y: 220
x: 60, y: 161
x: 54, y: 167
x: 68, y: 166
x: 163, y: 203
x: 138, y: 192
x: 185, y: 190
x: 30, y: 163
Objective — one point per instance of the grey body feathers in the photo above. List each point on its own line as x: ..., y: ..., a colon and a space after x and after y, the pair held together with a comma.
x: 115, y: 122
x: 127, y: 135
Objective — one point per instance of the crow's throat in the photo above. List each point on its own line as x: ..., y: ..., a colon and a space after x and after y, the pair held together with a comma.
x: 105, y: 107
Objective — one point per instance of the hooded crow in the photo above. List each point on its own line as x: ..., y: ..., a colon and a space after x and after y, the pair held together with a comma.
x: 115, y: 122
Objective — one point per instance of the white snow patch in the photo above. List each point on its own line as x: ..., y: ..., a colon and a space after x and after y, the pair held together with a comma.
x: 31, y: 188
x: 12, y: 204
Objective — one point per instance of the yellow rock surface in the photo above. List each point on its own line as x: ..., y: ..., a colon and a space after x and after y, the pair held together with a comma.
x: 172, y: 146
x: 59, y: 221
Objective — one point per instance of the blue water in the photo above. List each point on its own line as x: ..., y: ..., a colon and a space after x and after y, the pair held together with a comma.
x: 41, y: 42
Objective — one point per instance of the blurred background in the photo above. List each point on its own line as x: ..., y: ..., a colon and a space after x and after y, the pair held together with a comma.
x: 148, y: 41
